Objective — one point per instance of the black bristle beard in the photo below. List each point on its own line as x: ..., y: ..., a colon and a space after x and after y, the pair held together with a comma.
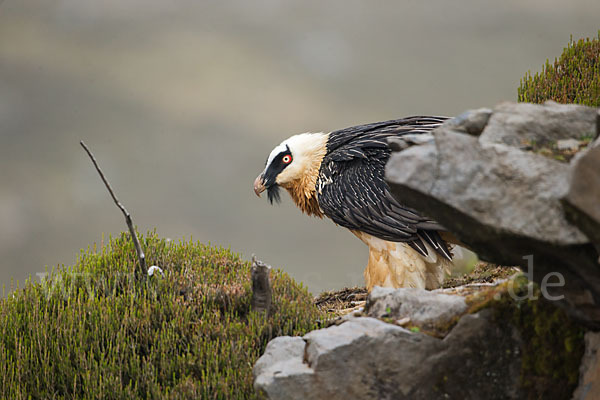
x: 273, y: 193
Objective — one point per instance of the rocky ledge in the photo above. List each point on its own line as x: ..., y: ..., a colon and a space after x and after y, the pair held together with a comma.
x: 501, y: 181
x: 470, y: 342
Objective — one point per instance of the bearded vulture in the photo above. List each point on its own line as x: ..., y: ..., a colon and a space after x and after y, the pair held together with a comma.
x: 340, y: 175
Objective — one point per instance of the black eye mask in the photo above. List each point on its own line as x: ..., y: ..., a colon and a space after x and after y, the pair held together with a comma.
x: 279, y: 163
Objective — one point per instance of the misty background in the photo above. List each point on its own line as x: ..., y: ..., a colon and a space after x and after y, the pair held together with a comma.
x: 182, y: 101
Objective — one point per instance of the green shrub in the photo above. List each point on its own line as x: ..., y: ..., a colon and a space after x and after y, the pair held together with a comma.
x: 95, y: 330
x: 573, y: 78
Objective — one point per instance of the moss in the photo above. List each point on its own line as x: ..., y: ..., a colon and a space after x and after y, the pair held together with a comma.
x: 550, y: 148
x: 96, y: 330
x: 552, y: 344
x: 573, y: 78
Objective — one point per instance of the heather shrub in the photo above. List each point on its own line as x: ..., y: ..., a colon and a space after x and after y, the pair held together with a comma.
x: 574, y: 77
x: 100, y: 330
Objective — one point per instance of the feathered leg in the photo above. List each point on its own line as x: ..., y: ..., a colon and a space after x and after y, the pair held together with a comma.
x: 393, y: 264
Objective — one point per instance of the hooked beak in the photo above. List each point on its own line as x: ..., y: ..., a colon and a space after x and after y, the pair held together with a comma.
x: 259, y: 185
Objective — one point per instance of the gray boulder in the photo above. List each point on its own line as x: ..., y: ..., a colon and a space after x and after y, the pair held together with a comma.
x: 281, y: 372
x: 365, y: 358
x: 583, y: 199
x: 506, y: 203
x: 500, y: 186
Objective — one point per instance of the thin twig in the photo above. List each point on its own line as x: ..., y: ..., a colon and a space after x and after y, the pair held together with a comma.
x: 136, y: 242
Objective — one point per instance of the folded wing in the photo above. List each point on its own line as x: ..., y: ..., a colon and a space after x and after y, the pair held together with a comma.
x: 352, y: 191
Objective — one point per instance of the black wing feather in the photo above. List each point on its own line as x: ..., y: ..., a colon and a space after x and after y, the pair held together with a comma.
x: 353, y: 193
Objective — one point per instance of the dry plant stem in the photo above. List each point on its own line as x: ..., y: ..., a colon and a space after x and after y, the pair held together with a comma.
x: 136, y: 242
x: 597, y: 126
x: 261, y: 288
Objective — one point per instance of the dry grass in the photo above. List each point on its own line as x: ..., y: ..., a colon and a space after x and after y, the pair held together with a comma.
x: 346, y: 300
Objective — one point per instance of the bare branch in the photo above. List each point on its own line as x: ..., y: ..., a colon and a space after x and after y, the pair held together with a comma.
x: 136, y: 242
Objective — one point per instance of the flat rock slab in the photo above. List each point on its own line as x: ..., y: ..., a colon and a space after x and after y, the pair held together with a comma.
x: 417, y: 307
x: 513, y: 123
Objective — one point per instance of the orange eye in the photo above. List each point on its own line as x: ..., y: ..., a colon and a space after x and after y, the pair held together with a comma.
x: 287, y: 159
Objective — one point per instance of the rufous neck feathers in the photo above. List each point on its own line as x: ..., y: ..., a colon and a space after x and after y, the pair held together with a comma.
x: 307, y: 160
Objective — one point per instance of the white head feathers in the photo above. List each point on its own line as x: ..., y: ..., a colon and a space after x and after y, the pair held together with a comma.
x: 306, y: 148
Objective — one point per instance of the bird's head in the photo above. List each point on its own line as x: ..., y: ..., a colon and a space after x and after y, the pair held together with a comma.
x: 296, y: 159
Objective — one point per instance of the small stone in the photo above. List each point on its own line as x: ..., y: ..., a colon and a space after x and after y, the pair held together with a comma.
x: 153, y: 269
x: 472, y: 122
x: 408, y: 140
x: 397, y: 144
x: 568, y: 144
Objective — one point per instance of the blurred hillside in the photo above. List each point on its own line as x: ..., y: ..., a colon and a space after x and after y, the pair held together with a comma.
x: 182, y: 101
